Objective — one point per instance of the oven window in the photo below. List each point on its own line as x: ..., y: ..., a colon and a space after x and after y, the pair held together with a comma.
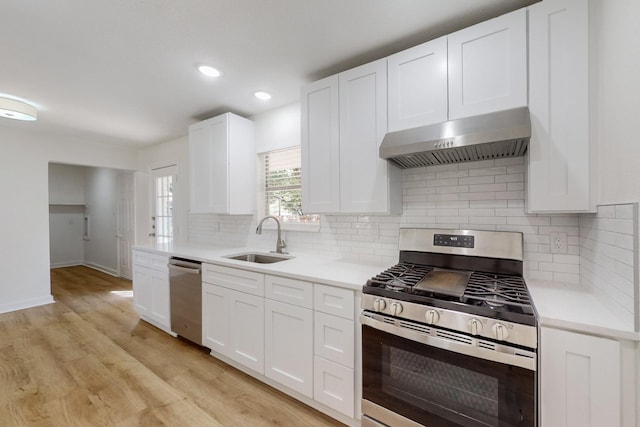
x: 438, y: 387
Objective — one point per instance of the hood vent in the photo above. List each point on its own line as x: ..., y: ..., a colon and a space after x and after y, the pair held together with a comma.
x: 488, y: 136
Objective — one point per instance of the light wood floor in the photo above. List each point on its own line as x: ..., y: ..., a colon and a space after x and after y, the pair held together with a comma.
x: 87, y: 360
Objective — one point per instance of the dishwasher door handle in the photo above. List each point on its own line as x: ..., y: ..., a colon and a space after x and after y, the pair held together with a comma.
x: 184, y: 269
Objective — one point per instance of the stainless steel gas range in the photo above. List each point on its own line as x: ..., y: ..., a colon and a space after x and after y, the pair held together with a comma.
x: 449, y: 333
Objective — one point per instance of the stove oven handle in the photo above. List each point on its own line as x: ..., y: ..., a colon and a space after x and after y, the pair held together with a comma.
x: 502, y: 354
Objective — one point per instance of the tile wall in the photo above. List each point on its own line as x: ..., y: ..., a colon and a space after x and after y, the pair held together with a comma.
x: 487, y: 195
x: 608, y: 242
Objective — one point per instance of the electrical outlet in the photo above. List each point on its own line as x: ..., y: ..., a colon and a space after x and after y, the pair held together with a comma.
x: 558, y: 242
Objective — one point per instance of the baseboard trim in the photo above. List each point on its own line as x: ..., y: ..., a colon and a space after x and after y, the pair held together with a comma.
x: 101, y: 268
x: 66, y: 264
x: 28, y: 303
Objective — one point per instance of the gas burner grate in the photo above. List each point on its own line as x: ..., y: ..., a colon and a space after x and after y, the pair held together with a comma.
x: 401, y: 277
x: 497, y: 290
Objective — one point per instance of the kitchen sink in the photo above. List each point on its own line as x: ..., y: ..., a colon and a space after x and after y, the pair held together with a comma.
x: 259, y: 258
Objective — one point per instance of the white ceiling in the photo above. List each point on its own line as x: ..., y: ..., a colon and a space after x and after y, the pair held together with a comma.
x: 124, y: 71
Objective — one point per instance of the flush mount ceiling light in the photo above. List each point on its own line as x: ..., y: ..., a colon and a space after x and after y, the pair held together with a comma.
x: 262, y: 95
x: 17, y: 110
x: 209, y: 71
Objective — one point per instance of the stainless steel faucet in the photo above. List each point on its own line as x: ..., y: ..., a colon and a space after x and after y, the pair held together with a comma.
x: 280, y: 244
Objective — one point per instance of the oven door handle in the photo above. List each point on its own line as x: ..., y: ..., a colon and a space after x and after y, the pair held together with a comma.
x: 501, y: 353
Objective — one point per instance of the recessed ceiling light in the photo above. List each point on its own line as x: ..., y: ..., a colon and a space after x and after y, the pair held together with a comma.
x: 17, y: 110
x: 262, y: 95
x: 209, y: 71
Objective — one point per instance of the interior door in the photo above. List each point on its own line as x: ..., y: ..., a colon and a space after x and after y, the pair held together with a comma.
x: 125, y: 223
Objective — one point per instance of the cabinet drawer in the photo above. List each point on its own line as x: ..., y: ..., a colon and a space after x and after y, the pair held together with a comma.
x: 332, y: 300
x: 233, y: 278
x: 334, y: 339
x: 296, y: 292
x: 149, y: 260
x: 333, y: 385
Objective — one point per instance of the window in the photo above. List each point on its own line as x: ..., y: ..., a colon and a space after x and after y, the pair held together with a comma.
x: 283, y: 187
x: 163, y: 183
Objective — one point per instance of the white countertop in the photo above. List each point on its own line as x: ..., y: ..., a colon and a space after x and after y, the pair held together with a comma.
x: 573, y: 307
x: 559, y: 305
x: 309, y: 267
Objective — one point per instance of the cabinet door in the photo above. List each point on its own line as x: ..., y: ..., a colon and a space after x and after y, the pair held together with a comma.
x: 334, y: 339
x: 246, y: 330
x: 417, y: 83
x: 200, y: 171
x: 289, y: 346
x: 215, y: 318
x: 559, y: 156
x: 334, y: 385
x: 365, y: 185
x: 580, y: 380
x: 320, y: 147
x: 160, y: 307
x: 142, y: 292
x: 488, y: 66
x: 219, y: 164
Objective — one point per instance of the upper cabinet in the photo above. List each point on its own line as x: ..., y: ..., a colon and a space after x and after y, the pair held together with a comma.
x: 344, y: 119
x: 476, y: 70
x: 560, y: 177
x: 417, y: 82
x: 223, y: 166
x: 488, y: 66
x: 320, y: 146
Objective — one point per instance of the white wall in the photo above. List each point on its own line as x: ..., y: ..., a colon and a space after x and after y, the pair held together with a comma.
x: 278, y: 128
x: 66, y: 184
x: 24, y: 219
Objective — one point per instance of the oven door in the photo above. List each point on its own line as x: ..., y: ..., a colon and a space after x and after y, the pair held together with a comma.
x: 407, y: 382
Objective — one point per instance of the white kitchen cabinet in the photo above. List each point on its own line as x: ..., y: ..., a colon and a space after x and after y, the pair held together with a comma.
x: 289, y: 333
x: 246, y: 330
x: 334, y: 386
x: 352, y: 179
x: 233, y: 321
x: 151, y: 289
x: 320, y: 146
x: 368, y: 184
x: 488, y: 66
x: 289, y: 345
x: 334, y: 339
x: 417, y: 83
x: 215, y: 318
x: 334, y: 375
x: 580, y: 380
x: 222, y: 166
x: 560, y: 175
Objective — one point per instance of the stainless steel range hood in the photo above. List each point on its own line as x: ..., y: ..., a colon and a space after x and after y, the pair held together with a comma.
x: 488, y: 136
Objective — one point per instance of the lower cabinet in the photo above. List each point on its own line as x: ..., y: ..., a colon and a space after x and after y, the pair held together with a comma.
x: 289, y: 346
x: 295, y: 333
x: 151, y: 289
x: 580, y: 380
x: 233, y: 325
x: 334, y: 385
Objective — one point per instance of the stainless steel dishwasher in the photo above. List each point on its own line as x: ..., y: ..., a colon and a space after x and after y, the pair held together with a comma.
x: 185, y: 282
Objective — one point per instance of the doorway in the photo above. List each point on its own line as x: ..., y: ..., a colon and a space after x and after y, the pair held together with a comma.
x: 91, y: 218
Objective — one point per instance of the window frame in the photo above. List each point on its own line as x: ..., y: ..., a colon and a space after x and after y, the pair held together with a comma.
x: 310, y: 226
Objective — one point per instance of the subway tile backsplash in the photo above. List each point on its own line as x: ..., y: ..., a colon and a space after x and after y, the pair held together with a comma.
x: 608, y: 257
x: 484, y: 195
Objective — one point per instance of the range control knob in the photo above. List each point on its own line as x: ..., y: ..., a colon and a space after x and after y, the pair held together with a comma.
x: 500, y: 331
x: 432, y: 317
x: 379, y: 304
x: 475, y: 326
x: 396, y: 308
